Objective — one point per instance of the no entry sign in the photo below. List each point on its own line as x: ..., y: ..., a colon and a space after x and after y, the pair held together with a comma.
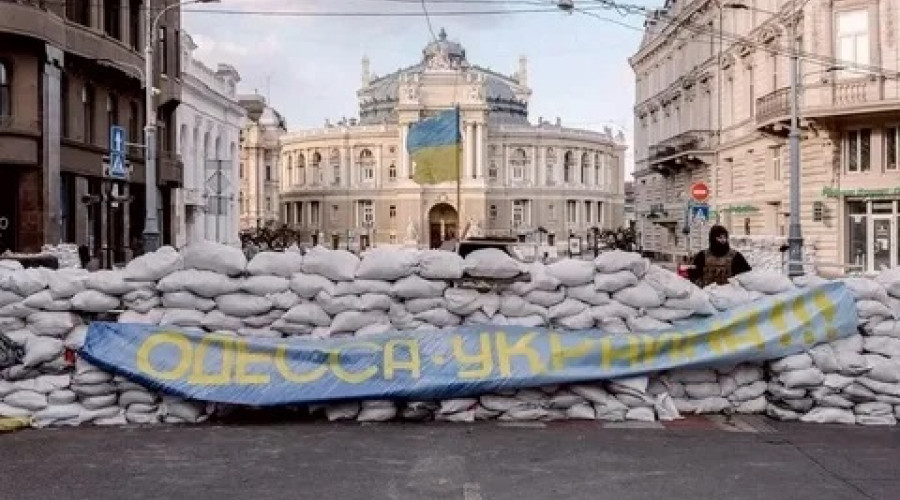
x: 700, y: 192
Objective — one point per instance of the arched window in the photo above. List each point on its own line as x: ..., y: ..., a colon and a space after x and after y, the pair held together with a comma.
x: 317, y: 168
x: 5, y: 91
x: 519, y: 164
x: 366, y: 165
x: 585, y: 168
x: 301, y: 169
x: 568, y: 166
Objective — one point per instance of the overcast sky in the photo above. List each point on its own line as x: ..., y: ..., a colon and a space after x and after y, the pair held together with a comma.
x: 309, y: 67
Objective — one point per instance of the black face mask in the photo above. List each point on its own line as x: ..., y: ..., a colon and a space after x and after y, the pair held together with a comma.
x: 717, y: 247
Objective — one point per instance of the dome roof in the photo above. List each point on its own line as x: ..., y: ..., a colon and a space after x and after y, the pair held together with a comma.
x: 379, y: 99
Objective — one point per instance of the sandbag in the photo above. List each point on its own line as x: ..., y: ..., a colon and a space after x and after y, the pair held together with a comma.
x: 440, y: 265
x: 94, y: 301
x: 241, y: 305
x: 154, y: 266
x: 264, y: 285
x: 491, y: 263
x: 387, y: 264
x: 208, y: 255
x: 283, y: 264
x: 571, y: 272
x: 335, y: 265
x: 307, y: 286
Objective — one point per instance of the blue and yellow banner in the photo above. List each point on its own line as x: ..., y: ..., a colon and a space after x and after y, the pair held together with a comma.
x: 463, y: 362
x: 434, y: 144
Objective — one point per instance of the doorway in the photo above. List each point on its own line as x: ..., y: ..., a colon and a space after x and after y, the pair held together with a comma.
x: 443, y: 222
x: 883, y: 242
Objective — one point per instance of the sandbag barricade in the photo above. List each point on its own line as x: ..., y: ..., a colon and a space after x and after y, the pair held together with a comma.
x: 332, y: 294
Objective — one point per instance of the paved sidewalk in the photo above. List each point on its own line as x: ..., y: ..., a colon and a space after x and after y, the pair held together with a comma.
x: 697, y: 458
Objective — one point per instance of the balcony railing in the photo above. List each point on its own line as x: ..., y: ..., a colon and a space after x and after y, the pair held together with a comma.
x: 773, y: 105
x: 683, y: 144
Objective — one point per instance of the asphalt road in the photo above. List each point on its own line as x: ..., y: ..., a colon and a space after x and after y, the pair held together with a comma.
x: 451, y: 461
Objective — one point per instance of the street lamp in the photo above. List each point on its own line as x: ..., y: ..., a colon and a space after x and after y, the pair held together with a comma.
x: 151, y: 223
x: 795, y: 237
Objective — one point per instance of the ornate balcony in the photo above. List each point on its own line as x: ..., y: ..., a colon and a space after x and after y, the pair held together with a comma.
x: 683, y: 151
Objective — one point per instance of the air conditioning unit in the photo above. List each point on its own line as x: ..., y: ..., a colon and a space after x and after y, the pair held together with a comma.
x: 193, y: 197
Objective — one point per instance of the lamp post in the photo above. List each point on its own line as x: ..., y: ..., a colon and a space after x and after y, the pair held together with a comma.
x: 795, y: 236
x: 151, y: 222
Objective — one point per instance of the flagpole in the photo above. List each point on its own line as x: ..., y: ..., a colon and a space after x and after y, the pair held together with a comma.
x: 459, y: 211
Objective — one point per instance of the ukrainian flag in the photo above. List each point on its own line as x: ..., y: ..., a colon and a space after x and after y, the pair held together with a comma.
x: 434, y: 145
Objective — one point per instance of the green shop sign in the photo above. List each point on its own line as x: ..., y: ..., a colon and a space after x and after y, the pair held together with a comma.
x: 830, y: 192
x: 736, y: 209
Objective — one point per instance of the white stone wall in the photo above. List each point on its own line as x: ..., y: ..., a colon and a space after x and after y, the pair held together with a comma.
x: 209, y: 121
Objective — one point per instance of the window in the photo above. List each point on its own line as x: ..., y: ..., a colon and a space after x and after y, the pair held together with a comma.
x: 177, y: 53
x: 112, y: 109
x: 858, y: 147
x: 5, y: 91
x: 588, y: 211
x: 568, y: 165
x: 134, y: 24
x: 392, y: 172
x: 87, y: 101
x: 492, y: 212
x: 334, y: 213
x: 268, y: 204
x: 111, y: 23
x: 518, y: 212
x: 300, y: 219
x: 571, y: 212
x: 367, y: 165
x: 519, y: 163
x: 392, y: 211
x: 367, y: 211
x: 335, y: 161
x: 492, y: 171
x: 134, y: 129
x: 852, y: 33
x: 301, y: 169
x: 316, y: 168
x: 551, y: 165
x: 337, y: 175
x: 241, y: 172
x: 892, y: 148
x: 776, y: 163
x: 79, y: 11
x: 597, y: 169
x: 268, y: 172
x: 551, y: 212
x: 163, y: 53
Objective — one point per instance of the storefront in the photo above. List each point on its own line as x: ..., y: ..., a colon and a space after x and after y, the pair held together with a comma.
x: 872, y: 233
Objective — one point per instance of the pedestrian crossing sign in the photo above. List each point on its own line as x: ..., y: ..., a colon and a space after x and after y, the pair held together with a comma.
x: 117, y: 166
x: 700, y: 213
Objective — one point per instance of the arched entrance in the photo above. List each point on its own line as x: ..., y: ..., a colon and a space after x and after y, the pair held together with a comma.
x: 443, y: 223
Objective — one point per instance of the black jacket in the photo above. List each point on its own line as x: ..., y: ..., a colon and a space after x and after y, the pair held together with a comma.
x: 738, y: 265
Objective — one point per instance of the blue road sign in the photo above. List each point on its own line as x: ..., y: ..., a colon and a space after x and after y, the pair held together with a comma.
x: 700, y: 212
x: 117, y: 152
x: 116, y: 140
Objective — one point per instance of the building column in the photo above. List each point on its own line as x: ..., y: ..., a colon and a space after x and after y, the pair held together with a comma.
x: 349, y: 176
x: 404, y: 155
x: 534, y: 165
x: 480, y: 137
x: 53, y: 65
x: 470, y: 149
x: 379, y: 161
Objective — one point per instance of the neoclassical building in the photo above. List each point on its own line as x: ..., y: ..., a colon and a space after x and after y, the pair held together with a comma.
x: 350, y: 184
x: 209, y: 125
x: 259, y: 166
x: 716, y: 109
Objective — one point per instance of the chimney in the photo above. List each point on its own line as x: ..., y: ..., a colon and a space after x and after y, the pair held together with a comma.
x: 523, y: 71
x: 366, y: 72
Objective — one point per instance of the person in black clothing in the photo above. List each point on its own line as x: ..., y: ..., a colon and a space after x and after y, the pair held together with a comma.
x: 719, y: 262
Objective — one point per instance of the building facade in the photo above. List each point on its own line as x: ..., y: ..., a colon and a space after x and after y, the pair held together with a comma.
x: 713, y: 105
x: 68, y: 72
x: 209, y: 126
x: 259, y: 166
x: 351, y: 185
